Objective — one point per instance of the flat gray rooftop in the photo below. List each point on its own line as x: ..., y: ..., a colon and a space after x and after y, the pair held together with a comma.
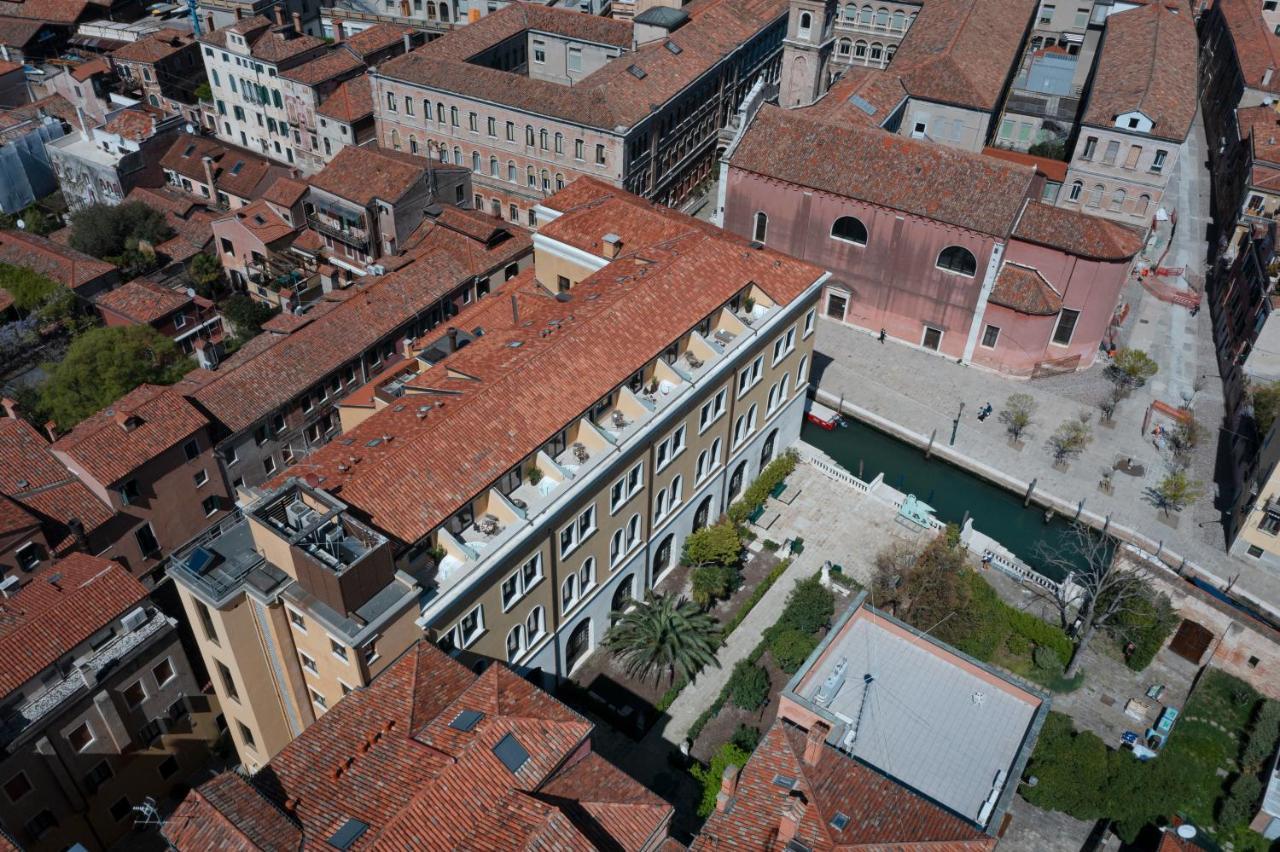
x: 928, y: 718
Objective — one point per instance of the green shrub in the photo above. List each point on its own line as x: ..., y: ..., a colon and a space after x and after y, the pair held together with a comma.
x: 669, y: 697
x: 774, y: 472
x: 1071, y: 767
x: 1046, y: 660
x: 748, y: 686
x: 790, y: 648
x: 717, y: 544
x: 746, y: 738
x: 711, y: 583
x: 28, y: 288
x: 1262, y: 739
x: 1147, y: 623
x: 809, y: 607
x: 711, y: 777
x: 1241, y: 801
x: 756, y: 594
x: 771, y: 545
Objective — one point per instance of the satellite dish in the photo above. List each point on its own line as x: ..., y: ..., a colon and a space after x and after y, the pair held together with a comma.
x: 190, y: 128
x: 1186, y: 831
x: 191, y: 291
x: 22, y: 225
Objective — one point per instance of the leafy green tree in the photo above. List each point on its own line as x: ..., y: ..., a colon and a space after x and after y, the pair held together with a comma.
x: 1175, y: 492
x: 1266, y: 405
x: 1241, y: 801
x: 662, y: 635
x: 809, y: 607
x: 205, y: 273
x: 104, y: 364
x: 718, y: 544
x: 1054, y: 149
x: 28, y: 288
x: 204, y: 92
x: 1263, y: 738
x: 791, y: 647
x: 34, y: 219
x: 1069, y: 440
x: 246, y: 316
x: 712, y: 776
x: 711, y: 583
x: 746, y: 737
x: 106, y: 231
x: 1070, y: 768
x: 1018, y: 411
x: 748, y: 686
x: 1132, y: 367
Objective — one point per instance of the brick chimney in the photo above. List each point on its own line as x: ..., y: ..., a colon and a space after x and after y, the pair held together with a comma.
x: 127, y: 420
x: 10, y: 407
x: 207, y: 162
x: 408, y: 38
x: 789, y: 822
x: 612, y: 246
x: 728, y: 787
x: 297, y: 21
x: 208, y: 23
x: 239, y: 13
x: 814, y: 742
x: 206, y: 354
x: 51, y: 430
x: 338, y: 33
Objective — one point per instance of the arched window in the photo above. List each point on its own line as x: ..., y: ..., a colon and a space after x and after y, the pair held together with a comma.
x: 899, y: 20
x: 616, y: 547
x: 1095, y: 196
x: 860, y: 49
x: 546, y: 181
x: 542, y: 139
x: 889, y: 52
x: 700, y: 469
x: 587, y: 574
x: 528, y: 135
x: 844, y: 47
x: 760, y: 228
x: 867, y: 14
x: 439, y: 112
x: 426, y: 110
x: 849, y: 229
x: 559, y: 181
x: 413, y: 144
x: 739, y: 429
x: 457, y: 155
x: 660, y: 505
x: 633, y: 531
x: 568, y: 593
x: 957, y: 259
x: 766, y: 452
x: 530, y: 177
x: 877, y: 52
x: 882, y: 19
x: 806, y: 24
x: 624, y: 594
x: 1144, y: 204
x: 512, y: 175
x: 395, y: 139
x: 1117, y: 199
x: 1077, y: 187
x: 493, y: 166
x: 851, y: 12
x: 475, y: 162
x: 534, y: 625
x: 453, y: 116
x: 444, y: 13
x: 559, y: 143
x: 515, y: 643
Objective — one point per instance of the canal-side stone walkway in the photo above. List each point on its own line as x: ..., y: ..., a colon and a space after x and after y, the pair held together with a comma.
x: 907, y: 389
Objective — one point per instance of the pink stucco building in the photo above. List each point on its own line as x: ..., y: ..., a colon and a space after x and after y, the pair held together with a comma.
x: 943, y: 249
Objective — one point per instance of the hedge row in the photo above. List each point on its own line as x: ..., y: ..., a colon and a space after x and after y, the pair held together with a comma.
x: 774, y: 472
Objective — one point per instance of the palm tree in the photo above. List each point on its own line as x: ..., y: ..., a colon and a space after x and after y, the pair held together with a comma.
x: 663, y: 635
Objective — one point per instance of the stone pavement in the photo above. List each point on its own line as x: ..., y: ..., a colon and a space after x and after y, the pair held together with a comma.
x: 1035, y: 830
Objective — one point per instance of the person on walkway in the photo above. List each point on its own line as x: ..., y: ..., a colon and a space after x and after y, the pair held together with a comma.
x: 882, y: 335
x: 984, y: 412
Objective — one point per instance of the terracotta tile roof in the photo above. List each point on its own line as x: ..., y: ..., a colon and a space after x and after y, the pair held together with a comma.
x: 267, y: 42
x: 961, y: 51
x: 362, y: 174
x: 375, y: 38
x: 921, y: 178
x: 309, y: 241
x: 1077, y: 233
x: 609, y: 98
x: 1261, y: 126
x: 250, y: 28
x: 1054, y: 170
x: 1024, y: 290
x: 134, y: 429
x: 192, y: 221
x: 242, y: 391
x: 617, y: 320
x: 387, y: 755
x: 45, y: 619
x: 235, y: 171
x: 863, y: 96
x: 67, y: 266
x: 157, y: 46
x: 881, y: 814
x: 285, y: 191
x: 1257, y: 47
x: 31, y: 476
x: 350, y: 102
x: 1265, y: 177
x: 166, y: 199
x: 133, y: 124
x: 53, y: 11
x: 142, y: 301
x: 85, y: 70
x: 326, y: 66
x: 261, y: 221
x: 1147, y: 64
x: 17, y: 32
x: 9, y: 67
x: 14, y: 518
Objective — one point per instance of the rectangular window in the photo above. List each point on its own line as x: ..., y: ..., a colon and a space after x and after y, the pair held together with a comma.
x: 1066, y: 326
x: 1112, y: 152
x: 134, y: 694
x: 247, y: 736
x: 95, y: 777
x: 81, y: 737
x: 932, y: 338
x: 578, y: 146
x: 810, y: 319
x: 163, y: 672
x: 711, y: 411
x: 318, y: 699
x: 1131, y: 156
x: 600, y: 159
x: 575, y: 59
x: 1046, y: 13
x: 391, y: 102
x: 751, y: 375
x: 338, y: 649
x: 1157, y: 164
x: 146, y: 539
x: 17, y: 787
x: 298, y: 621
x: 989, y: 336
x: 206, y: 622
x: 228, y: 682
x: 1090, y: 147
x: 308, y: 662
x: 670, y: 447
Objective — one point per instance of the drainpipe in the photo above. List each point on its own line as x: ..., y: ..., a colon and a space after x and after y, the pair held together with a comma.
x: 980, y: 309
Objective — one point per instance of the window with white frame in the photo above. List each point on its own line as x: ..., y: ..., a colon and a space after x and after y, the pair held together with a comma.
x: 802, y: 372
x: 521, y: 581
x: 677, y: 493
x: 670, y: 447
x: 515, y: 643
x: 617, y: 548
x: 587, y: 575
x: 338, y: 649
x: 568, y: 592
x: 633, y: 532
x: 660, y: 505
x: 626, y: 487
x: 535, y: 625
x: 810, y: 319
x: 784, y: 344
x: 468, y: 629
x: 308, y: 662
x: 711, y: 410
x: 318, y: 699
x: 578, y: 531
x: 750, y: 375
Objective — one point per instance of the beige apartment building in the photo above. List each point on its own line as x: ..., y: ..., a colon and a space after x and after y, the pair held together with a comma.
x: 543, y: 469
x: 1126, y: 150
x: 530, y: 98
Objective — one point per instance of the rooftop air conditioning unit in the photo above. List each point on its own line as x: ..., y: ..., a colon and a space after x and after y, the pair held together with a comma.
x: 829, y: 687
x: 299, y: 514
x: 10, y: 585
x: 135, y: 619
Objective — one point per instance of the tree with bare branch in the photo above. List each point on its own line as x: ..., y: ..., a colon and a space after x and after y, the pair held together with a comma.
x: 1105, y: 585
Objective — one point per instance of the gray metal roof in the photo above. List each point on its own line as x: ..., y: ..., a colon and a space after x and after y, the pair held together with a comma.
x: 926, y: 717
x: 662, y: 16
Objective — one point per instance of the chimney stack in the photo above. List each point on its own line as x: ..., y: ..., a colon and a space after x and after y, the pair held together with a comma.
x: 206, y: 354
x: 297, y: 22
x: 728, y: 787
x: 789, y: 822
x: 814, y: 742
x: 408, y: 42
x: 51, y: 430
x: 515, y: 310
x: 406, y: 347
x: 239, y: 13
x: 10, y: 407
x: 207, y: 161
x: 338, y: 34
x: 208, y: 23
x: 453, y: 339
x: 612, y: 246
x: 279, y: 14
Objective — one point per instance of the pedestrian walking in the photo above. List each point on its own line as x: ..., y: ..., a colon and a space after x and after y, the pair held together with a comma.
x: 882, y: 335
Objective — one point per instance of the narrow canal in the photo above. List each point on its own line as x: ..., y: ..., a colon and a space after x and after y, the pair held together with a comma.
x: 866, y: 452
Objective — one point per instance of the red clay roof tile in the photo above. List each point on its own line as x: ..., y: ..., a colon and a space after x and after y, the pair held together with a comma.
x: 350, y: 102
x: 33, y: 477
x: 1024, y: 290
x: 143, y: 302
x: 62, y: 264
x: 1077, y: 233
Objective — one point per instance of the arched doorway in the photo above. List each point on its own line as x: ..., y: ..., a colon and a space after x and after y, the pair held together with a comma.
x: 578, y: 645
x: 662, y: 557
x: 703, y: 514
x: 766, y: 454
x: 622, y: 597
x: 735, y: 481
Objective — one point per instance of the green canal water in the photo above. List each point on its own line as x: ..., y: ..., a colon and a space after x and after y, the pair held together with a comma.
x: 950, y: 490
